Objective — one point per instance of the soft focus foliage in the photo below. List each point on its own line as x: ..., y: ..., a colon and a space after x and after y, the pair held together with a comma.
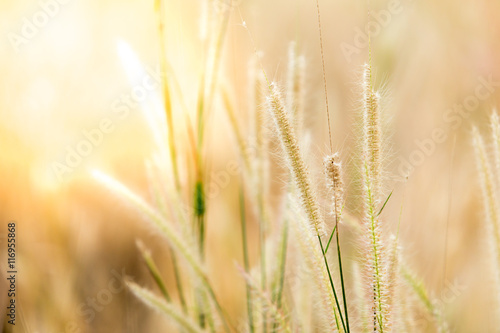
x: 84, y: 90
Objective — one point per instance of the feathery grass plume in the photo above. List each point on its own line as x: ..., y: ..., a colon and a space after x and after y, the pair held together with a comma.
x: 164, y: 308
x: 301, y: 179
x: 490, y: 201
x: 375, y: 267
x: 397, y: 298
x: 305, y: 233
x: 295, y: 161
x: 295, y: 86
x: 434, y: 310
x: 376, y: 273
x: 372, y: 135
x: 261, y: 164
x: 333, y: 172
x: 181, y: 246
x: 261, y: 173
x: 261, y: 161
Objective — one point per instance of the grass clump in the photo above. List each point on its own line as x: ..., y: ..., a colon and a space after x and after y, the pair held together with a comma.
x: 323, y: 296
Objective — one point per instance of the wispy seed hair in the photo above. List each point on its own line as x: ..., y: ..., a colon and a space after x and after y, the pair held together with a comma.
x: 296, y: 163
x: 372, y: 134
x: 375, y: 258
x: 490, y: 200
x: 164, y: 308
x: 333, y: 172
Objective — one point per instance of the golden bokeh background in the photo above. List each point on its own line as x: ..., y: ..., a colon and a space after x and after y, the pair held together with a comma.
x: 63, y: 80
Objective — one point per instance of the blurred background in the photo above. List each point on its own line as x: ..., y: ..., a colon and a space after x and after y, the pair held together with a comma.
x: 63, y: 77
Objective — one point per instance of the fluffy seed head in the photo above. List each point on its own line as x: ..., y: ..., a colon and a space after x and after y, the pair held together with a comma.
x: 295, y: 161
x: 488, y: 187
x: 375, y: 257
x: 164, y: 308
x: 490, y: 201
x: 333, y: 172
x: 372, y: 134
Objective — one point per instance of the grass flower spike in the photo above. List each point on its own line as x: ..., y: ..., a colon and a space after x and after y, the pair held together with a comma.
x: 490, y: 200
x: 374, y: 252
x: 333, y: 171
x: 295, y: 160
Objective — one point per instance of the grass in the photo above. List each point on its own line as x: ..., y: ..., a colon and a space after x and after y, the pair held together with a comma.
x: 489, y: 172
x: 367, y: 298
